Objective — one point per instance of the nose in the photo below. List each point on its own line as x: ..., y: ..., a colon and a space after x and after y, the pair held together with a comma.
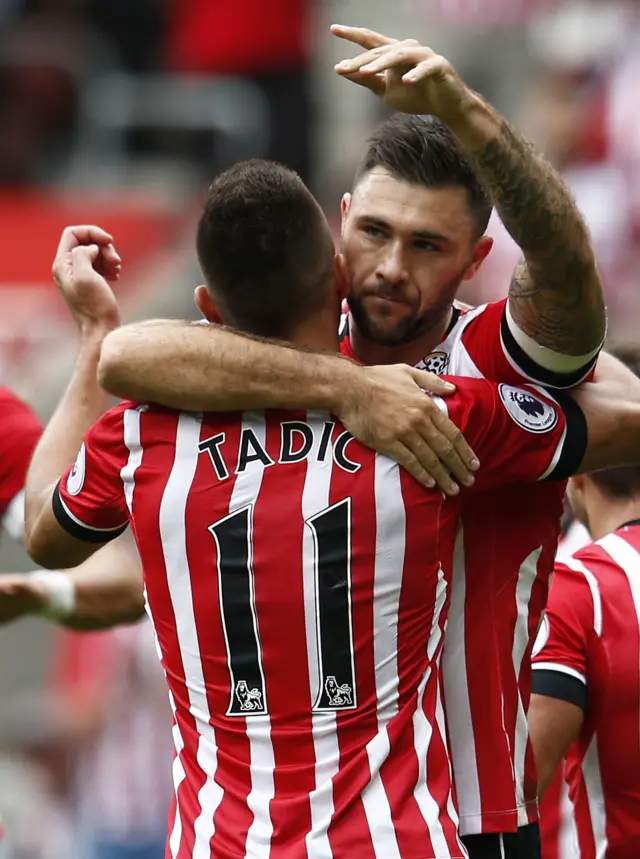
x: 391, y: 266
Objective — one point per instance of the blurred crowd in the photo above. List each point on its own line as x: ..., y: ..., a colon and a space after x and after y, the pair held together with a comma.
x: 126, y: 93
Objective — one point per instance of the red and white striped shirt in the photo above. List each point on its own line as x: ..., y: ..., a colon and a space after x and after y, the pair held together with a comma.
x: 588, y: 652
x: 299, y: 587
x: 511, y: 532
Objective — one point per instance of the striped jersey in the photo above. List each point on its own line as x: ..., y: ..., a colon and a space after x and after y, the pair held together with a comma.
x: 299, y: 587
x: 510, y: 533
x: 588, y: 653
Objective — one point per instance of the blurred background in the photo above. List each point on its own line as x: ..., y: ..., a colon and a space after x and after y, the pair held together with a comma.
x: 119, y: 112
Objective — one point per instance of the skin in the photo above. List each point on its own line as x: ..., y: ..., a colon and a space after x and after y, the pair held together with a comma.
x: 406, y: 249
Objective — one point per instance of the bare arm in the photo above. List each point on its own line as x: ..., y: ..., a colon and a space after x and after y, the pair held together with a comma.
x: 84, y: 400
x: 611, y: 405
x: 556, y: 296
x: 104, y: 591
x: 554, y: 725
x: 210, y: 368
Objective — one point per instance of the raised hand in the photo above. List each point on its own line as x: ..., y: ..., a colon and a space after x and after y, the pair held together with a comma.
x: 405, y: 75
x: 85, y: 261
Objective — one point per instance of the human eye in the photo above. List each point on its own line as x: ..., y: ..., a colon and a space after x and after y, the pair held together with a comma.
x: 425, y: 245
x: 372, y: 231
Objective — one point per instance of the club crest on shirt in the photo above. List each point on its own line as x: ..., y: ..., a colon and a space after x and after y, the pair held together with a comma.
x: 250, y: 699
x: 75, y: 481
x: 527, y: 410
x: 338, y: 695
x: 436, y: 362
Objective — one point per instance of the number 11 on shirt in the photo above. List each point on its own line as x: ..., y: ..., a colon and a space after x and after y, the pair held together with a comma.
x: 331, y: 530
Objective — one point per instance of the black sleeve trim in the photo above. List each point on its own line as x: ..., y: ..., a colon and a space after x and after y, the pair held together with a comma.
x: 77, y: 529
x: 529, y: 368
x: 557, y: 684
x: 576, y: 439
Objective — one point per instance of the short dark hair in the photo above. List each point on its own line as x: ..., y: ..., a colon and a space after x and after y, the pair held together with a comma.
x: 422, y: 151
x: 622, y: 482
x: 265, y: 248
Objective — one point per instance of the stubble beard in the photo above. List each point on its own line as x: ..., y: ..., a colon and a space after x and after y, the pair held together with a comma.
x: 412, y: 326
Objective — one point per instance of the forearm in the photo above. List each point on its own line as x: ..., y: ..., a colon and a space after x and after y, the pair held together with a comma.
x: 82, y: 404
x: 108, y: 588
x: 210, y: 368
x: 556, y: 297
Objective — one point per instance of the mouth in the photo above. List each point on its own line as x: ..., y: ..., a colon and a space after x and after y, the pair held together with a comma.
x: 390, y: 299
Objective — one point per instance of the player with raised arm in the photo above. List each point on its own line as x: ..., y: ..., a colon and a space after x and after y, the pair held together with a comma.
x: 586, y: 680
x: 413, y: 230
x: 298, y: 582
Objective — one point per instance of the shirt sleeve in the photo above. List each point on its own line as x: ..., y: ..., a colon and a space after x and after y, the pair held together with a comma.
x: 503, y: 353
x: 519, y: 433
x: 21, y: 430
x: 560, y: 652
x: 89, y: 500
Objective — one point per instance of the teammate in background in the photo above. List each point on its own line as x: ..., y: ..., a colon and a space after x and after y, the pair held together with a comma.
x: 587, y: 665
x: 557, y: 817
x: 308, y: 706
x: 413, y: 230
x: 19, y: 432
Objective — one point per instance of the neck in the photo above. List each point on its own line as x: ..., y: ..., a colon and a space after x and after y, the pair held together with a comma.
x: 606, y: 517
x: 370, y: 352
x: 319, y: 334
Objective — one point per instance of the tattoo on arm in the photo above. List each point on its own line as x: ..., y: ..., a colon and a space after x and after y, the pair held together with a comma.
x: 555, y: 294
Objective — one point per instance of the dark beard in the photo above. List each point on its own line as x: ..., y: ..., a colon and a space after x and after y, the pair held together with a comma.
x: 412, y: 327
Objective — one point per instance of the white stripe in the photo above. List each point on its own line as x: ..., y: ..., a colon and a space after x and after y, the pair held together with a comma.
x: 258, y: 844
x: 526, y: 577
x: 131, y: 430
x: 542, y: 356
x: 595, y: 797
x: 560, y: 669
x: 456, y: 693
x: 501, y: 842
x: 578, y: 567
x: 389, y: 566
x: 315, y: 498
x: 556, y: 456
x: 173, y: 537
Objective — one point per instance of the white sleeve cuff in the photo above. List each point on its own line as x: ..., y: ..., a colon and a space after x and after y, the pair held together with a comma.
x: 546, y: 358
